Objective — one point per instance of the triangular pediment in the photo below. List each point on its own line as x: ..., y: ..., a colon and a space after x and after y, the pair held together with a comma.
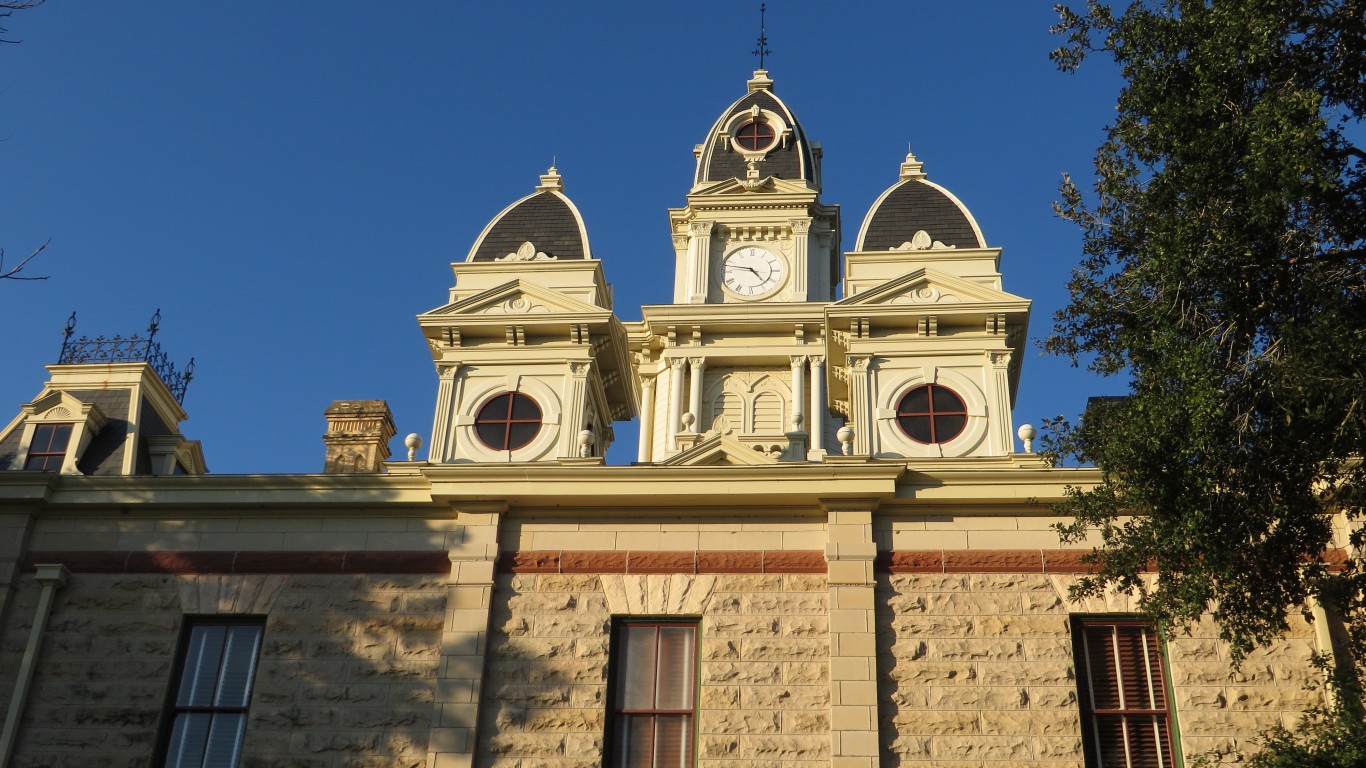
x: 926, y: 286
x: 517, y: 297
x: 719, y: 450
x: 59, y: 405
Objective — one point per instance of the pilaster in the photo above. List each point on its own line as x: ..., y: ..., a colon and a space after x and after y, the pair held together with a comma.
x: 464, y: 639
x: 860, y: 403
x: 575, y: 396
x: 442, y: 446
x: 699, y: 261
x: 801, y: 259
x: 1002, y: 435
x: 850, y: 552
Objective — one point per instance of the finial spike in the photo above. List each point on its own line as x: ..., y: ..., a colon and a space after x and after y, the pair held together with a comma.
x: 761, y: 45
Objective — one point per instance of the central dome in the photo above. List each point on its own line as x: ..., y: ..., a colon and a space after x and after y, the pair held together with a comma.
x: 757, y: 137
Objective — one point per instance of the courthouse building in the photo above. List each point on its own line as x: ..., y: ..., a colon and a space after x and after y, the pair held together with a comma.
x: 831, y: 550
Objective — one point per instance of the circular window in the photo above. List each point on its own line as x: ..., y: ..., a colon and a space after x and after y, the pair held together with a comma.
x: 755, y: 135
x: 508, y: 421
x: 931, y: 414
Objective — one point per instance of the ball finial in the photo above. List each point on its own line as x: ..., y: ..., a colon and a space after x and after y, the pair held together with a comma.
x: 1026, y: 433
x: 413, y: 441
x: 845, y: 435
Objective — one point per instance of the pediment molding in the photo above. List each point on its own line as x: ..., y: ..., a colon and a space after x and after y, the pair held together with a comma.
x: 927, y: 286
x: 517, y: 297
x: 720, y: 450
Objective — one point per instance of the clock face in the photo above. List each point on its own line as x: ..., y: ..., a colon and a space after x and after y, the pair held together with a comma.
x: 752, y: 272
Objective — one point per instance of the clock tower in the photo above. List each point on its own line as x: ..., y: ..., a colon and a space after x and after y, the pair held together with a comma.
x: 754, y: 229
x: 738, y: 356
x: 760, y: 358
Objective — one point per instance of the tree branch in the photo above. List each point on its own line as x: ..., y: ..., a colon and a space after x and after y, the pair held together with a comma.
x: 13, y: 272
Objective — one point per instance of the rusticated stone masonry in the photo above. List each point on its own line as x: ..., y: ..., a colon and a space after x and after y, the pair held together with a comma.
x: 765, y: 689
x: 344, y: 680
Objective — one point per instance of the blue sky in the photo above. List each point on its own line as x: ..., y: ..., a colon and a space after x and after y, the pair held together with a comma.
x: 289, y: 182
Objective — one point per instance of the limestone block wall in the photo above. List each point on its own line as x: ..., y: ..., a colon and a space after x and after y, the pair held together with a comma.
x: 978, y: 667
x: 763, y: 666
x: 345, y: 675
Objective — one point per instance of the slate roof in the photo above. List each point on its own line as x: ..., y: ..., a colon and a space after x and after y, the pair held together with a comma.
x: 546, y: 219
x: 910, y: 206
x: 793, y: 162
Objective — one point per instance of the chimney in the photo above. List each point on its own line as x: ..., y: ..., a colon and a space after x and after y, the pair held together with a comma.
x: 357, y: 438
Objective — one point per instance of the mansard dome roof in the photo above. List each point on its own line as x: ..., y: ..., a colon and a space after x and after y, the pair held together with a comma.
x: 915, y: 205
x: 788, y: 155
x: 545, y: 225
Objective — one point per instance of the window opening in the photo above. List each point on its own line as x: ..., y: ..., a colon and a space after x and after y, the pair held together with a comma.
x: 1126, y: 717
x: 48, y: 449
x: 208, y: 716
x: 931, y: 413
x: 654, y: 691
x: 507, y: 422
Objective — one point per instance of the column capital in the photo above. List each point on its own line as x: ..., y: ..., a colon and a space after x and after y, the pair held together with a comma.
x: 797, y: 360
x: 697, y: 362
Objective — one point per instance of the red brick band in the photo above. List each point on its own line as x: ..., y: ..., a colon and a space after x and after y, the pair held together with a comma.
x: 745, y: 561
x: 244, y: 562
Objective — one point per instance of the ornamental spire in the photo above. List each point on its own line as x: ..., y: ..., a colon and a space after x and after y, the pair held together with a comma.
x: 761, y: 45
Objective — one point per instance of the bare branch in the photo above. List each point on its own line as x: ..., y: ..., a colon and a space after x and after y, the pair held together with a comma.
x: 13, y: 272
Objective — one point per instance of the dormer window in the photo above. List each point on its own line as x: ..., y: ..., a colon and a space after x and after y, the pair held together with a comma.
x: 47, y: 450
x: 57, y: 428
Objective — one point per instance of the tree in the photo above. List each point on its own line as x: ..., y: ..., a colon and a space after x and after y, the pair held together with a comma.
x: 6, y: 9
x: 1224, y: 273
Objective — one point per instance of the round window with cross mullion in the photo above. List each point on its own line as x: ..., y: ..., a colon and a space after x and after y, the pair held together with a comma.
x: 508, y: 421
x: 755, y: 135
x: 931, y: 413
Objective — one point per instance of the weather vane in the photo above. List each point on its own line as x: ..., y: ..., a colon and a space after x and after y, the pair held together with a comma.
x: 762, y: 50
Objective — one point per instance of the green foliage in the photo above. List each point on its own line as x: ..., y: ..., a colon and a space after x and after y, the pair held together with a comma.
x: 1322, y: 741
x: 1224, y: 272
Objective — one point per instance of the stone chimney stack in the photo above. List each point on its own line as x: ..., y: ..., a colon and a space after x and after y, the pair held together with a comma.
x: 357, y: 438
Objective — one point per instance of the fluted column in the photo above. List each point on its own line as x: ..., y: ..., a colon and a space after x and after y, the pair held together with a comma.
x: 696, y: 365
x: 645, y: 447
x: 817, y: 415
x: 675, y: 397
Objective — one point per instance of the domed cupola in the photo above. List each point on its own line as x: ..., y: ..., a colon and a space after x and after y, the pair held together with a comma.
x: 916, y: 214
x: 755, y: 138
x: 543, y: 226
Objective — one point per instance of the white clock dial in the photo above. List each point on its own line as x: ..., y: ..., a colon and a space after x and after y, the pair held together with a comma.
x: 752, y: 272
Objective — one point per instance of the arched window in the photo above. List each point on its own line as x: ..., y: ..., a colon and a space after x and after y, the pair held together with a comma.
x: 768, y: 412
x: 931, y: 413
x: 755, y: 135
x: 508, y: 421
